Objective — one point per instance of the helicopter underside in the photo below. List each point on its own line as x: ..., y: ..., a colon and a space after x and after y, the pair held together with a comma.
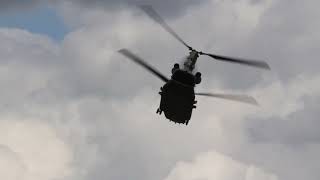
x: 177, y: 102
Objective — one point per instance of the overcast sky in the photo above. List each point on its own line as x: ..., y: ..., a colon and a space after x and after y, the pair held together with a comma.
x: 72, y: 108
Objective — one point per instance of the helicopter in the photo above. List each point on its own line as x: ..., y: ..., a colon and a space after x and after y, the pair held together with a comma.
x: 178, y: 93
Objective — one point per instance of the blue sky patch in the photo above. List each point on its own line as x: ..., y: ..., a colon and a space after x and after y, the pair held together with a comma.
x: 40, y: 20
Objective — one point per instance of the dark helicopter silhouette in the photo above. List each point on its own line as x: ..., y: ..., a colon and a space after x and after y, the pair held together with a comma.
x: 177, y: 94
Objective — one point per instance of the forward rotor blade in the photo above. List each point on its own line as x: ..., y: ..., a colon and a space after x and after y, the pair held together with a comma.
x: 254, y: 63
x: 156, y: 17
x: 232, y: 97
x: 139, y: 61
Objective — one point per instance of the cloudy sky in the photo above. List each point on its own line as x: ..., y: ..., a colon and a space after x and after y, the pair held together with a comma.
x: 74, y: 109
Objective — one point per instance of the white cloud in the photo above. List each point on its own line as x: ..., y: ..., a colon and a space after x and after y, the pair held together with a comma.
x: 11, y: 165
x: 213, y: 165
x: 33, y: 151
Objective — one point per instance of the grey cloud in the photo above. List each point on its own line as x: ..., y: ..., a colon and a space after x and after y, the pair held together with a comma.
x: 168, y: 8
x: 298, y: 129
x: 7, y: 5
x: 291, y: 28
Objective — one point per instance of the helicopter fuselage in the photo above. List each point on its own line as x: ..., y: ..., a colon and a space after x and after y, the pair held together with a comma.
x: 178, y: 97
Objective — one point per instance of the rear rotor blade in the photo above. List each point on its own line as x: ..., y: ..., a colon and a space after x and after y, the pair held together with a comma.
x: 232, y: 97
x: 254, y: 63
x: 156, y: 17
x: 139, y: 61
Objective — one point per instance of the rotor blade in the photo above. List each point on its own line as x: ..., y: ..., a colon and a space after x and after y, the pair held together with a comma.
x: 254, y: 63
x: 232, y: 97
x: 156, y: 17
x: 139, y: 61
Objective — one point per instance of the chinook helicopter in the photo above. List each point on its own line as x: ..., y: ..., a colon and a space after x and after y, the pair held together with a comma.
x: 178, y: 94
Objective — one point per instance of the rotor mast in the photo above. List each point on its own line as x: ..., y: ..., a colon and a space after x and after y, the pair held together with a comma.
x: 191, y: 61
